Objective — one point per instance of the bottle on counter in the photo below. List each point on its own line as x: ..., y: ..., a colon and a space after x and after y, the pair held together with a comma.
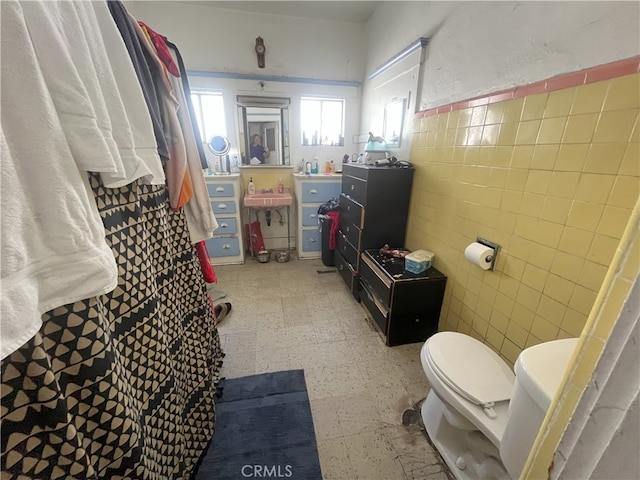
x: 280, y: 186
x: 314, y: 165
x: 251, y: 187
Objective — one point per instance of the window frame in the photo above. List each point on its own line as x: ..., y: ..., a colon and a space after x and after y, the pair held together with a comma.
x: 199, y: 112
x: 322, y: 133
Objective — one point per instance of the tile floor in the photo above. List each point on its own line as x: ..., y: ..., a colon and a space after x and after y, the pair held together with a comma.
x: 289, y: 316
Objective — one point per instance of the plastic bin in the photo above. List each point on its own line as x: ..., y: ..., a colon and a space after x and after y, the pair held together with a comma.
x: 325, y: 233
x: 418, y: 261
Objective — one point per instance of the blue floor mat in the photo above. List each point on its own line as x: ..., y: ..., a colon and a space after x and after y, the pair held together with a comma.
x: 264, y: 429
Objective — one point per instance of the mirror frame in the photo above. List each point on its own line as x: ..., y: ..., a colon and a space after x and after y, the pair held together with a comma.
x: 216, y: 138
x: 391, y: 123
x: 281, y: 103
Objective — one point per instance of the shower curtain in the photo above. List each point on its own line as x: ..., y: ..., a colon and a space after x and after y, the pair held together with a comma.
x: 120, y: 385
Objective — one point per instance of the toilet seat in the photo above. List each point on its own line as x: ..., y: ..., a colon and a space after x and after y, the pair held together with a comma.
x: 470, y: 368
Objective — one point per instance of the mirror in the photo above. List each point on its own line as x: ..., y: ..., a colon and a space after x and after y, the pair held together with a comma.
x: 263, y: 124
x: 393, y: 121
x: 219, y: 145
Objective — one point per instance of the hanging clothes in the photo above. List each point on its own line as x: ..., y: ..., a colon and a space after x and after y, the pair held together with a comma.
x: 205, y: 264
x: 73, y: 83
x: 200, y: 217
x: 52, y: 238
x: 119, y: 385
x: 138, y: 57
x: 159, y: 42
x: 187, y: 95
x: 75, y: 29
x: 138, y: 147
x: 111, y: 354
x: 178, y: 176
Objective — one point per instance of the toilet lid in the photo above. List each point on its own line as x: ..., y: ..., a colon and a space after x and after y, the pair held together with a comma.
x: 470, y: 368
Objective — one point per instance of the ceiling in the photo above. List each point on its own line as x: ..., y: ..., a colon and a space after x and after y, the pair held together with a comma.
x: 354, y: 12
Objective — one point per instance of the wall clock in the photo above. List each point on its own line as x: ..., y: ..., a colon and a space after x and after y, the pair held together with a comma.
x: 260, y: 49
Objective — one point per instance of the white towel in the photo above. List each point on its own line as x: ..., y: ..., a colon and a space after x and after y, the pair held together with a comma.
x: 70, y: 76
x: 125, y: 101
x: 53, y: 248
x: 200, y: 218
x: 93, y: 52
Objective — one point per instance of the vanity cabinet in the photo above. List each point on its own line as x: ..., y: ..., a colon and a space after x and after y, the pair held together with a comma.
x: 404, y: 305
x: 374, y: 206
x: 225, y: 247
x: 311, y: 192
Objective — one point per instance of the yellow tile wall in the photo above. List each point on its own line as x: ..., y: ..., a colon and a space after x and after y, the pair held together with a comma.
x: 267, y: 177
x: 552, y: 178
x: 612, y: 295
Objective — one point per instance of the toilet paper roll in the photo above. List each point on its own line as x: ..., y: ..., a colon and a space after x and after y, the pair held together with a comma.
x: 480, y: 255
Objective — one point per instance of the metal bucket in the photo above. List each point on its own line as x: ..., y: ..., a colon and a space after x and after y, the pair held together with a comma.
x: 282, y: 256
x: 263, y: 256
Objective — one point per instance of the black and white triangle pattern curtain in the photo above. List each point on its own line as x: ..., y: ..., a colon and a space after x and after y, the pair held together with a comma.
x: 120, y: 385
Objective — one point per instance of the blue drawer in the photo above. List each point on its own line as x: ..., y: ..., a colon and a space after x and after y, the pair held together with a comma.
x: 228, y: 206
x: 320, y: 192
x: 226, y: 226
x: 309, y: 216
x: 311, y: 241
x: 223, y: 247
x: 220, y: 189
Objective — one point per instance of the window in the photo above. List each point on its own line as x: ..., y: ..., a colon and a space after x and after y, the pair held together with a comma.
x: 209, y: 110
x: 322, y: 121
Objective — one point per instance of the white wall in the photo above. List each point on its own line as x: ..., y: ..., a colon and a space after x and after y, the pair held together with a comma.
x: 220, y: 40
x: 481, y: 47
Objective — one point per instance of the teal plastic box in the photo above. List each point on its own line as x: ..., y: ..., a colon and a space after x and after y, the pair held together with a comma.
x: 418, y: 261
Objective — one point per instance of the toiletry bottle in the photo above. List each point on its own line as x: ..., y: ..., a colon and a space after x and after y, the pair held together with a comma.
x: 314, y: 165
x: 327, y: 167
x: 252, y: 187
x: 333, y: 167
x: 280, y: 186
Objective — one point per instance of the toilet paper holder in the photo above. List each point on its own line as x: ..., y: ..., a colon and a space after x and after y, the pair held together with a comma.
x: 492, y: 245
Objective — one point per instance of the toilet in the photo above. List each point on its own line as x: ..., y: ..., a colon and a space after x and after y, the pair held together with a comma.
x: 481, y: 417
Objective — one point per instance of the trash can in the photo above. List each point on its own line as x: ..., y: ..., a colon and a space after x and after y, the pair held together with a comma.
x: 325, y: 233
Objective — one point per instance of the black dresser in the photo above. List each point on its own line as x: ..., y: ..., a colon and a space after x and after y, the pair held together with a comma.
x: 374, y: 206
x: 405, y: 306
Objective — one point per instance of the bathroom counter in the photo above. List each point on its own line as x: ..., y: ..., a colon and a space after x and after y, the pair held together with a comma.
x: 225, y: 247
x: 318, y: 176
x: 311, y: 191
x: 221, y: 177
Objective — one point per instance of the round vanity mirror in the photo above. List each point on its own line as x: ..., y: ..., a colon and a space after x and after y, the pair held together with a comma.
x: 219, y: 145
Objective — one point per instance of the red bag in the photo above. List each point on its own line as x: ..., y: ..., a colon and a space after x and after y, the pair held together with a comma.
x: 257, y: 242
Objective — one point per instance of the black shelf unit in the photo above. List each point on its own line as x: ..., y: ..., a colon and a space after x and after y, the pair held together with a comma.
x: 405, y: 306
x: 374, y: 206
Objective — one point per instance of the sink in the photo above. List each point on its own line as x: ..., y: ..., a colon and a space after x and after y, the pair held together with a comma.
x: 267, y: 200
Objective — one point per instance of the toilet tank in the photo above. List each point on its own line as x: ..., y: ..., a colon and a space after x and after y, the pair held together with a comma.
x: 539, y: 371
